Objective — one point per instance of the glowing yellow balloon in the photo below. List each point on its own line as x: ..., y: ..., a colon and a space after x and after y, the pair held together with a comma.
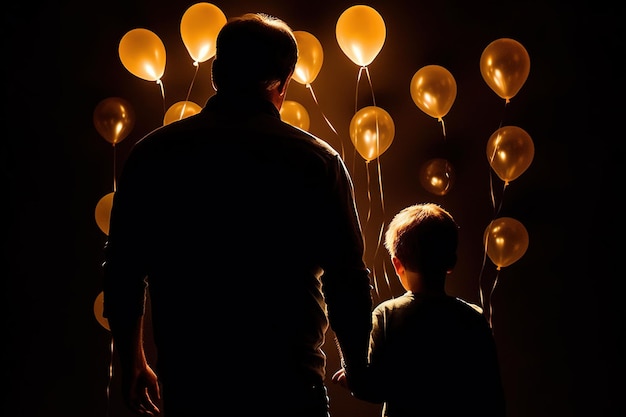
x: 361, y: 34
x: 433, y: 89
x: 505, y: 65
x: 143, y: 54
x: 98, y: 311
x: 295, y: 114
x: 506, y: 241
x: 372, y: 130
x: 103, y: 212
x: 180, y: 110
x: 437, y: 176
x: 199, y: 27
x: 114, y: 118
x: 310, y: 57
x: 510, y: 151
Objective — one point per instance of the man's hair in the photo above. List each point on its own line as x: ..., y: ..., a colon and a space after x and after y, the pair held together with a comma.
x: 253, y: 52
x: 424, y: 237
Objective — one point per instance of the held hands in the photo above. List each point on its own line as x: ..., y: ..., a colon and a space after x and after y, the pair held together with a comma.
x: 357, y: 380
x: 340, y: 378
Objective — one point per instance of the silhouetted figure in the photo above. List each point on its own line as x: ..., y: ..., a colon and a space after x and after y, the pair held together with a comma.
x: 431, y: 354
x: 243, y: 230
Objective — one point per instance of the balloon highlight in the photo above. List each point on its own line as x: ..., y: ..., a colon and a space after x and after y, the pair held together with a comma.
x: 505, y: 65
x: 98, y: 311
x: 310, y: 57
x: 295, y: 114
x: 372, y: 131
x: 361, y: 34
x: 433, y: 89
x: 199, y: 27
x: 510, y: 151
x: 437, y: 176
x: 506, y: 241
x: 103, y: 212
x: 143, y: 54
x: 180, y: 110
x: 114, y: 119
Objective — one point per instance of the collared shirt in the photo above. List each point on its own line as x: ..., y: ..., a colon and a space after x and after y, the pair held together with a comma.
x: 244, y: 230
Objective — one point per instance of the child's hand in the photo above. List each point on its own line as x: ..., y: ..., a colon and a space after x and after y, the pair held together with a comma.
x: 339, y: 377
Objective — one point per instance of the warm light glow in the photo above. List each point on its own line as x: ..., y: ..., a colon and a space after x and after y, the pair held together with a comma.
x: 98, y: 311
x: 372, y: 131
x: 361, y: 33
x: 310, y: 57
x: 437, y: 176
x: 199, y: 27
x: 510, y: 151
x: 103, y: 212
x: 180, y: 110
x: 295, y: 114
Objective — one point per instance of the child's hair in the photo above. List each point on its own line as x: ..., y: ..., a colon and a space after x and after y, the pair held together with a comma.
x: 424, y: 237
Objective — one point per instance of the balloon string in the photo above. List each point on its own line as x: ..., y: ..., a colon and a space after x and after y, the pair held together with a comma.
x: 493, y: 288
x: 367, y: 220
x: 108, y: 388
x: 491, y: 192
x: 369, y: 80
x: 369, y: 199
x: 387, y: 278
x: 114, y: 170
x: 480, y: 276
x: 503, y: 113
x: 160, y: 83
x: 380, y: 186
x: 358, y: 82
x: 443, y: 128
x: 193, y: 80
x: 310, y: 87
x: 356, y: 90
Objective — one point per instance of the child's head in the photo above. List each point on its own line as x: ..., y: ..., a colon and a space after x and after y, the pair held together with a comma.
x: 424, y: 238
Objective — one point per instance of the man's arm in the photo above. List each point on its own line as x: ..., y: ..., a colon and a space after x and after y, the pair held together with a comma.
x: 140, y: 385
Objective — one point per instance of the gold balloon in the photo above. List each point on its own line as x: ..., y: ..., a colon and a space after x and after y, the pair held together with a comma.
x: 506, y: 241
x: 372, y: 131
x: 180, y: 110
x: 361, y: 34
x: 98, y: 311
x: 114, y: 118
x: 437, y: 176
x: 143, y: 54
x: 505, y: 65
x: 433, y: 89
x: 310, y: 57
x: 103, y: 212
x: 510, y: 151
x: 199, y: 27
x: 295, y: 114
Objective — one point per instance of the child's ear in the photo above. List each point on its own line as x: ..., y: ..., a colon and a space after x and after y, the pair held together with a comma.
x: 397, y: 265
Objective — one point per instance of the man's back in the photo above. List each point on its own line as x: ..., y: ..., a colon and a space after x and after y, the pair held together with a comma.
x: 236, y: 214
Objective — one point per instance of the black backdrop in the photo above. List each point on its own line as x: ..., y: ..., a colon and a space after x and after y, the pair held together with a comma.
x: 558, y: 315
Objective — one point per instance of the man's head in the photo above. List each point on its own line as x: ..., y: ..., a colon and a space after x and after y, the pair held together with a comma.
x: 254, y: 54
x: 424, y: 238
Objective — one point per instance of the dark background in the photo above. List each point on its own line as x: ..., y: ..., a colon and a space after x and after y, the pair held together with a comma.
x: 558, y: 313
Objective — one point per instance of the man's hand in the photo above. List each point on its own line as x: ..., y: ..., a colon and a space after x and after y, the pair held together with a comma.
x: 142, y: 391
